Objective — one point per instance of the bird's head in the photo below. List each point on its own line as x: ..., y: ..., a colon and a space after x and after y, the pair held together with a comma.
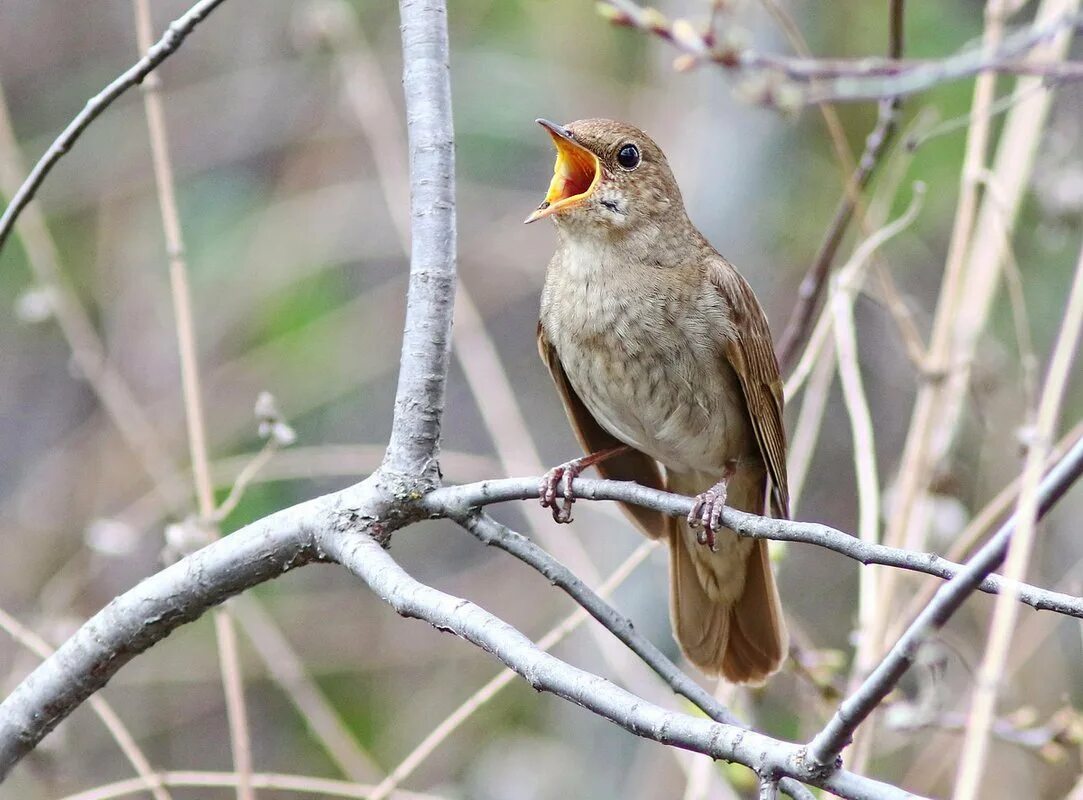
x: 608, y: 177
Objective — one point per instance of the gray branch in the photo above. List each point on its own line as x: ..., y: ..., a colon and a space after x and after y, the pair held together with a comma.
x: 848, y: 80
x: 363, y: 556
x: 419, y: 399
x: 151, y: 610
x: 171, y: 40
x: 351, y: 526
x: 490, y: 532
x: 456, y: 500
x: 343, y: 527
x: 839, y: 731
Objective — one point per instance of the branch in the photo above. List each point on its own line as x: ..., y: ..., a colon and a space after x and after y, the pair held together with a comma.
x: 347, y: 527
x: 826, y: 746
x: 419, y: 399
x: 490, y: 532
x: 151, y: 610
x: 456, y: 501
x: 812, y: 285
x: 174, y: 36
x: 848, y: 80
x: 363, y: 556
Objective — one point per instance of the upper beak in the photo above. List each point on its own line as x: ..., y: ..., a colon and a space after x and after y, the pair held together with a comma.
x: 575, y: 173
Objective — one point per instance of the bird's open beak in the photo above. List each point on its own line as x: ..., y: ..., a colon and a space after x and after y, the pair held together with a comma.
x: 575, y: 173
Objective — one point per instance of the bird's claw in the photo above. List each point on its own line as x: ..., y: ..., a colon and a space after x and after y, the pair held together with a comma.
x: 706, y: 515
x: 568, y: 472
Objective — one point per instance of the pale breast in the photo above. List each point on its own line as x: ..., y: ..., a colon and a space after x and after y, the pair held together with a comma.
x: 640, y: 353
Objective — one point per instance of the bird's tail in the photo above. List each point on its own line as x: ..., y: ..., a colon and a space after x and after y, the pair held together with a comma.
x: 725, y: 607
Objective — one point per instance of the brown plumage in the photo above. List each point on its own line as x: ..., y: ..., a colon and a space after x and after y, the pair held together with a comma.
x: 655, y: 341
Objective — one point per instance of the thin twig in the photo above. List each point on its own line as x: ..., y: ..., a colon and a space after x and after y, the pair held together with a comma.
x: 491, y: 532
x: 827, y: 744
x: 174, y: 36
x: 848, y: 282
x: 240, y: 739
x: 288, y: 671
x: 247, y: 474
x: 1005, y: 613
x: 232, y: 680
x: 809, y: 425
x: 88, y: 353
x: 812, y: 285
x: 301, y: 784
x: 981, y: 524
x: 967, y: 291
x: 848, y: 80
x: 458, y: 500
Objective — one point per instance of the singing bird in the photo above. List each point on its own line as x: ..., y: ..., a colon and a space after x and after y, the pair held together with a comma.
x: 662, y: 355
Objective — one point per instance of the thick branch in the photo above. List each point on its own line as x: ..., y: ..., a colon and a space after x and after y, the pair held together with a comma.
x: 419, y: 399
x: 456, y: 500
x: 824, y: 749
x: 151, y: 610
x: 363, y: 556
x: 169, y: 43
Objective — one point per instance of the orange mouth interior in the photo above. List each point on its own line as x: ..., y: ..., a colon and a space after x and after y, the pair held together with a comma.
x: 575, y: 174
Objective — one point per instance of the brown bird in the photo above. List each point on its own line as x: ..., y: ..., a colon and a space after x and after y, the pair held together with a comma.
x: 662, y: 355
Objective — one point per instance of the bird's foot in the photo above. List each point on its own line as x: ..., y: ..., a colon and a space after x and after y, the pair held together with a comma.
x: 568, y: 472
x: 706, y: 515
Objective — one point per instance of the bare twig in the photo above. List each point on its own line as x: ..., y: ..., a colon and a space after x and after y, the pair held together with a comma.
x: 87, y: 350
x: 240, y: 739
x: 982, y: 524
x: 301, y: 784
x: 847, y: 80
x: 972, y: 764
x: 247, y: 474
x: 232, y: 681
x: 826, y: 746
x: 812, y: 285
x: 174, y: 36
x: 458, y: 500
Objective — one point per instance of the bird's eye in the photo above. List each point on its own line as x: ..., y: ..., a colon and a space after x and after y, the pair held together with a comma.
x: 628, y: 156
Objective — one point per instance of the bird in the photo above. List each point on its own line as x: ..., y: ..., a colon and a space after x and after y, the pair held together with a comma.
x: 663, y: 358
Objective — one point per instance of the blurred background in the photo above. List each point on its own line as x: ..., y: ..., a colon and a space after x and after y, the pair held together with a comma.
x: 288, y: 144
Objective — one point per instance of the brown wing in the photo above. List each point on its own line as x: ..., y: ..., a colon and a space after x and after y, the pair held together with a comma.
x: 631, y: 466
x: 749, y: 348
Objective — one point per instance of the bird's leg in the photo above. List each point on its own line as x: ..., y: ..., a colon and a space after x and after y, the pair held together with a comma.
x: 569, y: 471
x: 706, y: 512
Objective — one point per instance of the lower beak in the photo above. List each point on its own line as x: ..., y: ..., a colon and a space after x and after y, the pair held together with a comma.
x: 575, y: 173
